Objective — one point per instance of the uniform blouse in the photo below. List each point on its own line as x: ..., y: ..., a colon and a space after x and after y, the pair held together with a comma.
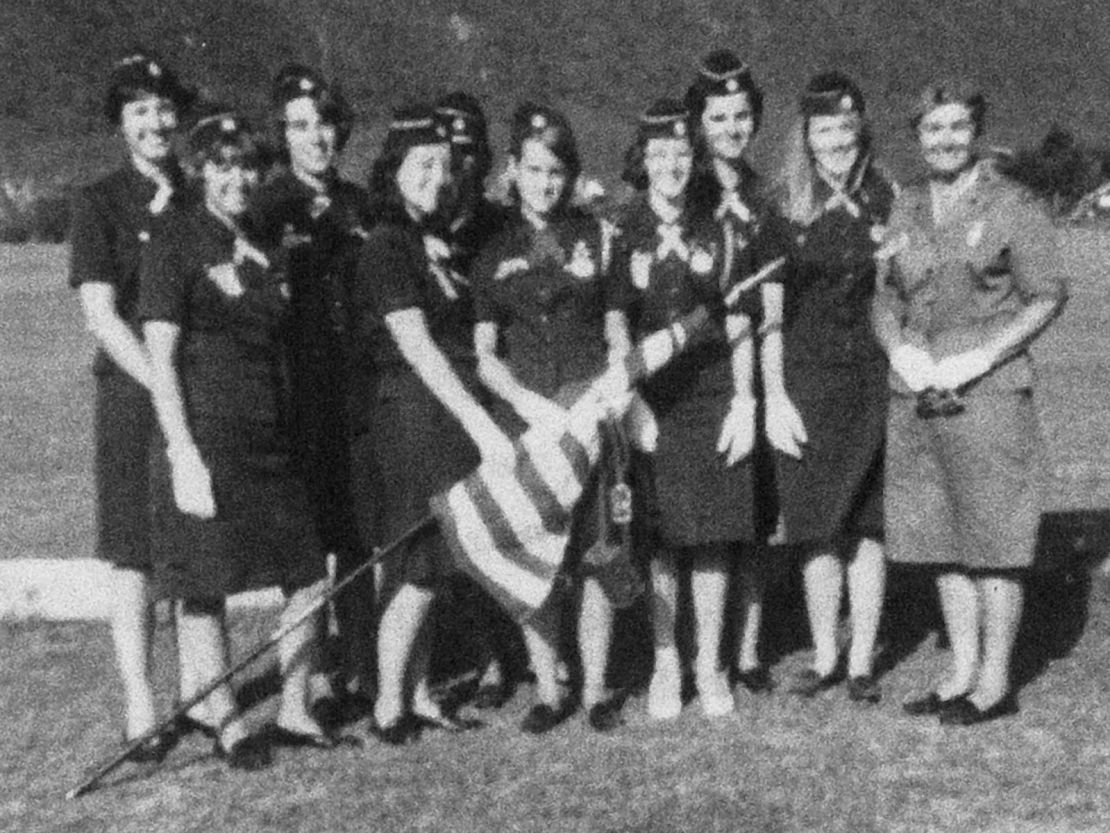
x: 831, y: 277
x: 958, y: 282
x: 230, y: 355
x: 548, y: 291
x: 111, y: 225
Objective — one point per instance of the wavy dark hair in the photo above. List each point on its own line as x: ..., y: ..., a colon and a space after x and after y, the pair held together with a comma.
x: 331, y: 105
x: 386, y: 202
x: 549, y: 127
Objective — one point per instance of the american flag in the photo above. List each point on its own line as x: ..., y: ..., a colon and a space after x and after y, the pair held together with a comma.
x: 508, y: 528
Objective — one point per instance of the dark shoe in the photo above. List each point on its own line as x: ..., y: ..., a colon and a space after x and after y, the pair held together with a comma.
x: 402, y: 731
x: 153, y: 750
x: 280, y: 736
x: 542, y: 718
x: 492, y: 695
x: 810, y: 683
x: 250, y: 753
x: 605, y: 716
x: 187, y: 725
x: 333, y: 713
x: 756, y: 680
x: 929, y: 704
x: 448, y: 723
x: 963, y: 712
x: 864, y: 689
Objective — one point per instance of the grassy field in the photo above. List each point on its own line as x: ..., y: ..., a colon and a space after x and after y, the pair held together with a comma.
x: 776, y: 765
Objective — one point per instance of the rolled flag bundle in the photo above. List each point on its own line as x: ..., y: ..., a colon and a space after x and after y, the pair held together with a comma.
x: 508, y: 528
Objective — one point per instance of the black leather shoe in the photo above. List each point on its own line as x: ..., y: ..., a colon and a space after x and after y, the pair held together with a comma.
x: 605, y: 716
x: 963, y: 712
x: 810, y: 683
x: 542, y: 718
x: 929, y: 704
x: 756, y: 680
x: 280, y: 736
x: 154, y: 749
x: 402, y: 731
x: 864, y: 689
x: 250, y: 753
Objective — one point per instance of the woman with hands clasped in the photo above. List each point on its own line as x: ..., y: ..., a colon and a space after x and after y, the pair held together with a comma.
x: 695, y: 420
x: 974, y: 276
x: 546, y: 320
x: 835, y: 374
x: 230, y: 514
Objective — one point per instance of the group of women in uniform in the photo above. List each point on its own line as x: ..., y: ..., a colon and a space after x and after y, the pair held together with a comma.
x: 290, y: 367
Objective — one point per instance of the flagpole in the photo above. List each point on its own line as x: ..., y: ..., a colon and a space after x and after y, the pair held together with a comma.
x: 113, y: 763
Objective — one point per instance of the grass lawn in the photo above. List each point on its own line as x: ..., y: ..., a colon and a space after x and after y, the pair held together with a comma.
x: 776, y: 765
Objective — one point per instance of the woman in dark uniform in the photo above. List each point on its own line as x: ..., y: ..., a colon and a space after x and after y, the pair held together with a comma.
x: 726, y: 107
x: 113, y: 221
x: 975, y: 277
x: 321, y: 221
x: 230, y: 512
x: 696, y: 418
x: 542, y: 299
x: 835, y: 374
x: 414, y: 317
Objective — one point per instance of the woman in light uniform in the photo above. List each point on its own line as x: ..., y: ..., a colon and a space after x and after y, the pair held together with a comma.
x: 974, y: 276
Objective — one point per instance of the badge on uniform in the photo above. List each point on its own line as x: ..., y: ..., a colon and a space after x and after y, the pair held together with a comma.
x: 640, y: 266
x: 878, y: 234
x: 226, y: 278
x: 581, y: 263
x: 508, y: 268
x: 701, y: 260
x: 320, y: 204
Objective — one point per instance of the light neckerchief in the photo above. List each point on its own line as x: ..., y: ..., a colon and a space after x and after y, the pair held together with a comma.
x: 156, y: 175
x: 439, y: 253
x: 731, y: 204
x: 321, y: 202
x: 242, y: 250
x: 842, y: 192
x: 669, y: 231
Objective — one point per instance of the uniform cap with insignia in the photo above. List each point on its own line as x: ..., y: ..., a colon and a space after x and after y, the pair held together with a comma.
x: 295, y: 81
x: 469, y: 130
x: 140, y: 73
x: 223, y: 138
x: 723, y: 73
x: 414, y: 125
x: 831, y: 94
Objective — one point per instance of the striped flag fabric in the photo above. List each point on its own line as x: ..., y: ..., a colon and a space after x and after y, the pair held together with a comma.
x: 508, y: 527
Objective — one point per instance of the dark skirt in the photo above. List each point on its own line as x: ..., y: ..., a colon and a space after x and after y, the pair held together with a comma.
x: 415, y: 449
x: 692, y: 497
x: 964, y: 490
x: 835, y: 490
x: 263, y: 533
x: 124, y: 427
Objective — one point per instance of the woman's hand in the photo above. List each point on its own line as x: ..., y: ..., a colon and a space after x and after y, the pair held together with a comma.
x: 785, y: 429
x: 915, y: 366
x: 639, y: 422
x: 192, y: 483
x: 737, y: 435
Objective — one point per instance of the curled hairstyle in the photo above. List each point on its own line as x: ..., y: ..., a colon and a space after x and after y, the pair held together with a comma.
x: 295, y: 81
x: 412, y: 125
x: 140, y: 73
x: 664, y: 119
x: 951, y: 91
x: 549, y: 127
x: 223, y: 139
